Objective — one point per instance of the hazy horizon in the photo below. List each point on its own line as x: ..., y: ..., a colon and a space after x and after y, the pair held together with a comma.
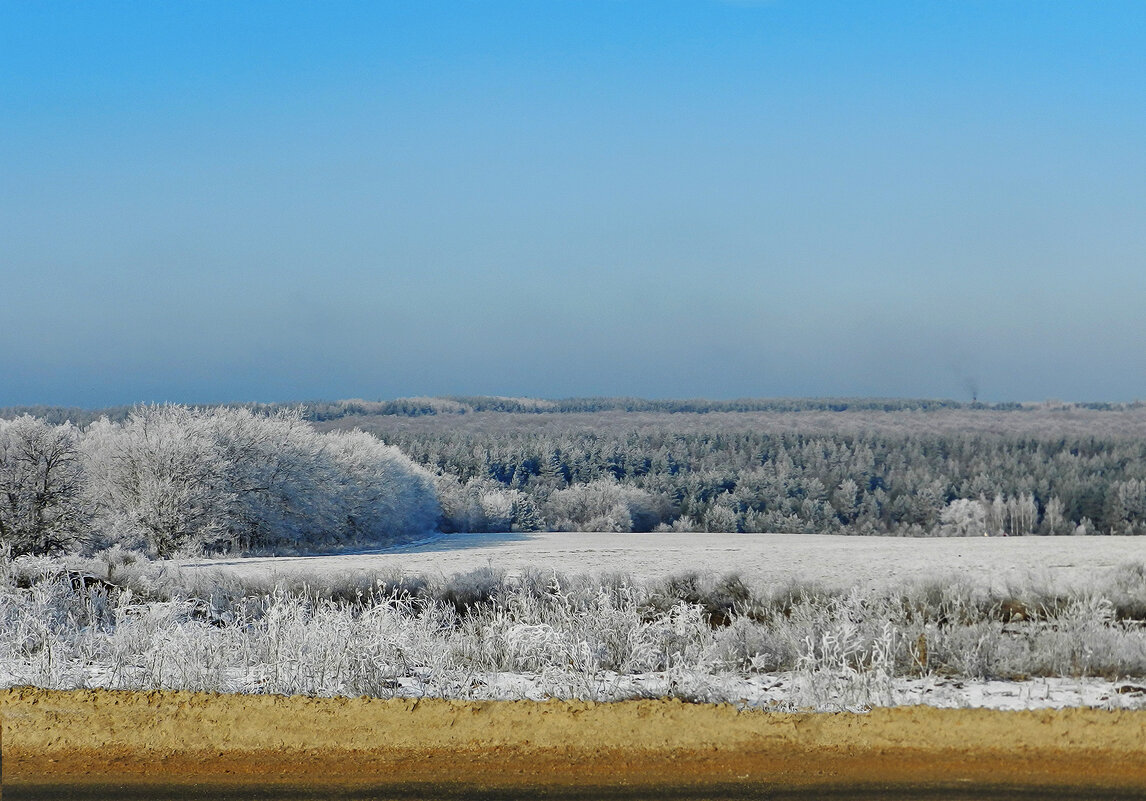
x: 212, y: 202
x: 854, y: 403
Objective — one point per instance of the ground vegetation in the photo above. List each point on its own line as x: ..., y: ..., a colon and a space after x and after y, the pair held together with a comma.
x: 119, y: 621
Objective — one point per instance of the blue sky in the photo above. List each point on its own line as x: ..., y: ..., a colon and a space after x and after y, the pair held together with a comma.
x: 219, y: 201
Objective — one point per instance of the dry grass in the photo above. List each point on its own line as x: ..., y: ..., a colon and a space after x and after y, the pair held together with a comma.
x: 492, y: 634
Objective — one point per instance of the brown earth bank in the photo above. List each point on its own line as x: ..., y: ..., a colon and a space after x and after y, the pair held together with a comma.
x: 81, y: 743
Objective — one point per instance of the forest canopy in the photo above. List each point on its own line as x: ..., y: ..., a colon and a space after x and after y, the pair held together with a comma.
x: 844, y: 466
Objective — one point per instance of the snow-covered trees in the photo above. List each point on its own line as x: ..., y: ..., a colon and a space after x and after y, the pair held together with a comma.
x: 603, y: 505
x: 172, y: 478
x: 40, y: 485
x: 168, y: 478
x: 964, y: 517
x: 1016, y: 516
x: 876, y: 472
x: 483, y: 505
x: 155, y: 481
x: 379, y: 493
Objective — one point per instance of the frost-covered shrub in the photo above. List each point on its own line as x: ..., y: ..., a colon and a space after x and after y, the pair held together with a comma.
x: 1127, y: 591
x: 467, y: 591
x: 493, y: 634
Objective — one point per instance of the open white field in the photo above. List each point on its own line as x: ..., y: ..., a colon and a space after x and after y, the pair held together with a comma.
x: 1067, y: 561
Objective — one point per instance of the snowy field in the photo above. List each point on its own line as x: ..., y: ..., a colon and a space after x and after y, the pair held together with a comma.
x: 1010, y: 623
x: 766, y: 558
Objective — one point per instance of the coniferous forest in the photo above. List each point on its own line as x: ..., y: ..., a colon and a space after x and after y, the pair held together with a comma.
x: 276, y: 476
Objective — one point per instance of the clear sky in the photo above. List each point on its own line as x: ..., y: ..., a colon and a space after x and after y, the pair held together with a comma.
x: 235, y: 201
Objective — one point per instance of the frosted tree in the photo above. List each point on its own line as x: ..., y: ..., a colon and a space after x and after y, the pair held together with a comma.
x: 602, y: 505
x: 158, y: 480
x: 174, y: 479
x: 281, y: 483
x: 41, y: 478
x: 1126, y: 506
x: 996, y: 516
x: 481, y: 504
x: 844, y: 499
x: 1054, y: 522
x: 379, y: 493
x: 963, y: 517
x: 721, y: 516
x: 1022, y: 514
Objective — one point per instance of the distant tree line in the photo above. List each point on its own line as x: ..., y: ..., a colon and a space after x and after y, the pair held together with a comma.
x: 321, y: 411
x: 912, y: 470
x: 417, y: 407
x: 169, y: 479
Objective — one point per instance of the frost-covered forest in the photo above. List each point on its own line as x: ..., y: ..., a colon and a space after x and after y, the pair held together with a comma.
x: 169, y: 479
x: 852, y: 467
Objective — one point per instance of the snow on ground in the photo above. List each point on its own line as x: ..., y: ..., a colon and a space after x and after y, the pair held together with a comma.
x: 769, y: 558
x: 780, y: 691
x: 789, y: 691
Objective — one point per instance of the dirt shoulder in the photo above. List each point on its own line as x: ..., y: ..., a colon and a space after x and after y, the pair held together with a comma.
x: 99, y: 737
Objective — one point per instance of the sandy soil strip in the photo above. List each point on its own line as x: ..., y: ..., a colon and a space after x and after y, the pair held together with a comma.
x: 91, y: 737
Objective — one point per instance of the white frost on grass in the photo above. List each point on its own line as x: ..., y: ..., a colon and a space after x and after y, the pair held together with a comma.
x: 537, y: 635
x: 787, y: 691
x: 781, y: 692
